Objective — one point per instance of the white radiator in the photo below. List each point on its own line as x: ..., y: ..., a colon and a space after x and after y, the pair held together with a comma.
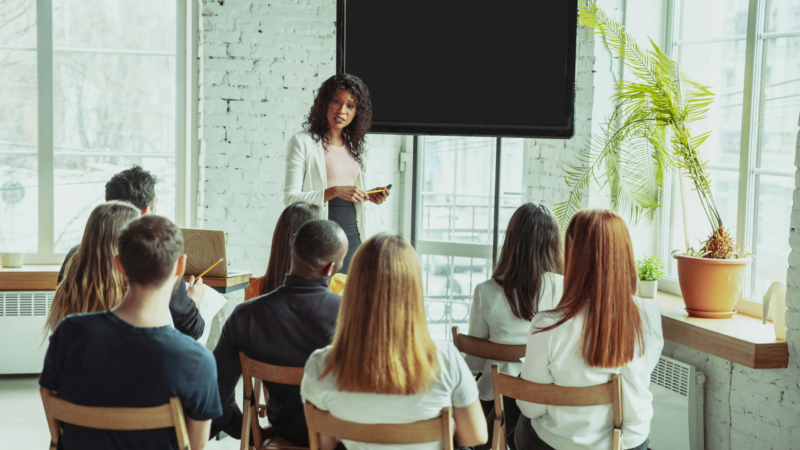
x: 677, y: 406
x: 22, y: 317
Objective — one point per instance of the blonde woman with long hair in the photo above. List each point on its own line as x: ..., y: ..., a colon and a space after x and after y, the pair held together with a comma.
x: 383, y: 366
x: 91, y: 284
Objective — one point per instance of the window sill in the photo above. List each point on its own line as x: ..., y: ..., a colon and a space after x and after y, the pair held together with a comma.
x: 29, y: 278
x: 742, y: 339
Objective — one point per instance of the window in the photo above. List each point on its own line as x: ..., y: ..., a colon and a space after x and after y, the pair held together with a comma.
x: 749, y: 57
x: 455, y: 229
x: 89, y: 88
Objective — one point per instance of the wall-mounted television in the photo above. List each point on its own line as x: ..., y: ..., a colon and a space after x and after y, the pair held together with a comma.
x: 463, y: 67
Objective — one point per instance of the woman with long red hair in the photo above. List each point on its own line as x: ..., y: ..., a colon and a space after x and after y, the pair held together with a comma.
x: 599, y: 329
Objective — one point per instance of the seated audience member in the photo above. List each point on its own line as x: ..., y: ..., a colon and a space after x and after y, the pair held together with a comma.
x: 383, y: 366
x: 280, y: 260
x: 283, y: 328
x: 92, y: 284
x: 599, y: 329
x: 525, y: 281
x: 129, y: 356
x: 137, y: 186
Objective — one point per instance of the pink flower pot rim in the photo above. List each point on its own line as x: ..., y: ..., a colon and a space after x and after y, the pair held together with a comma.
x: 745, y: 260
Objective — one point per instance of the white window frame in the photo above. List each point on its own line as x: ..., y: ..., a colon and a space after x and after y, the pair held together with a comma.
x: 186, y: 142
x: 747, y: 204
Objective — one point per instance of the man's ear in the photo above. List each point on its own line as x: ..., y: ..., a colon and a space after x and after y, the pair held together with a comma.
x: 146, y: 210
x: 180, y: 266
x: 330, y: 269
x: 118, y: 265
x: 291, y: 240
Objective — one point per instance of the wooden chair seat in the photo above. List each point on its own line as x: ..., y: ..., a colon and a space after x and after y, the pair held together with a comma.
x: 550, y: 394
x: 277, y: 443
x: 58, y: 411
x: 484, y: 348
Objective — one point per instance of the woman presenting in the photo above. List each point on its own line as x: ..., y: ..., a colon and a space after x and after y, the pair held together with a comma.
x: 324, y: 162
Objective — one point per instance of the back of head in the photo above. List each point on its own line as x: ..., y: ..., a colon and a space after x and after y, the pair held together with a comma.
x: 600, y: 281
x: 382, y: 344
x: 134, y: 185
x: 280, y: 255
x: 317, y: 243
x: 148, y: 249
x: 532, y: 247
x: 91, y: 284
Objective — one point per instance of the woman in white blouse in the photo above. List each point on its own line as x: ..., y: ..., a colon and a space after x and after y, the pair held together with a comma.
x: 599, y: 329
x: 526, y: 280
x: 383, y: 366
x: 324, y: 162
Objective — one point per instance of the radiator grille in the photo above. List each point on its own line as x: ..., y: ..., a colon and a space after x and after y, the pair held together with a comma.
x: 671, y: 375
x: 25, y: 304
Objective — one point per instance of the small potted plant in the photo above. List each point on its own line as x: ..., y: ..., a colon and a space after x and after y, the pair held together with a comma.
x: 650, y: 270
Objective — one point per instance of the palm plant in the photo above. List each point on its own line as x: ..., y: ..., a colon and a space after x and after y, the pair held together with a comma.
x: 647, y: 135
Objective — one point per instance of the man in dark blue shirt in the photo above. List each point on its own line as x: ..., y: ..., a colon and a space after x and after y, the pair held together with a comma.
x: 130, y: 356
x: 283, y: 328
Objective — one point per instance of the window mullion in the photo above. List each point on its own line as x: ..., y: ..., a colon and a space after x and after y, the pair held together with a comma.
x: 44, y: 66
x: 749, y: 136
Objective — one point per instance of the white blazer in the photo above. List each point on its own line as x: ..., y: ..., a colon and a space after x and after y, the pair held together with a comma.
x: 306, y: 178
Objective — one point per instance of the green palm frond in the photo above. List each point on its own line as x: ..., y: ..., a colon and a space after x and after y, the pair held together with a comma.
x: 646, y: 135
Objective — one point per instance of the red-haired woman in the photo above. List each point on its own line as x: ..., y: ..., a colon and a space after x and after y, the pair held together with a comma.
x: 599, y: 329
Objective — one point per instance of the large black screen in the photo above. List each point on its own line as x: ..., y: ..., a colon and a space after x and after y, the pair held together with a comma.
x: 463, y: 67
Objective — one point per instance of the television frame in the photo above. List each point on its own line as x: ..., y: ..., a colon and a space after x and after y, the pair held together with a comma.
x: 451, y: 129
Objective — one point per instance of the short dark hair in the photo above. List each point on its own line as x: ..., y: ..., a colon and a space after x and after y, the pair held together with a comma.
x: 148, y: 248
x: 318, y: 240
x: 134, y: 185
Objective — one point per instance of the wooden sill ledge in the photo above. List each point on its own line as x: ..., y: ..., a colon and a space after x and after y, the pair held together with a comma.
x: 741, y: 339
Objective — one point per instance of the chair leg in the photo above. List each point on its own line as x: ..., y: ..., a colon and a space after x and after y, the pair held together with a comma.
x: 246, y: 424
x: 499, y: 435
x: 617, y: 439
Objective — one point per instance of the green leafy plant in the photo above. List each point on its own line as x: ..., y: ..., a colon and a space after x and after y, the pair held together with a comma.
x: 650, y: 268
x: 647, y: 135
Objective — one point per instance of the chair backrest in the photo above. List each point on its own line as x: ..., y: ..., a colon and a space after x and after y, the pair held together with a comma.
x: 484, y: 348
x: 113, y: 418
x: 431, y: 430
x: 550, y: 394
x: 254, y: 374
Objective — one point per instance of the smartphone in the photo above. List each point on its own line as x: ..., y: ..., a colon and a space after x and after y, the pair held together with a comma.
x: 375, y: 191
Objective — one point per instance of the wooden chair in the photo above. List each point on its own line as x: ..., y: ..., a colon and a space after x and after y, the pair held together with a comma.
x: 431, y: 430
x: 550, y: 394
x: 484, y: 348
x: 113, y: 418
x: 254, y: 374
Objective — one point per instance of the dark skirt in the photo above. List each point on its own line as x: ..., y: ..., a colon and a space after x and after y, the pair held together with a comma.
x: 343, y: 212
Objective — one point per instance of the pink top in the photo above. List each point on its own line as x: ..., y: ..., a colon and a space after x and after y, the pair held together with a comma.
x: 340, y: 166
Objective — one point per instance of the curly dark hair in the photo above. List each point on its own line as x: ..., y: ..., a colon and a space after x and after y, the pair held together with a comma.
x: 134, y: 185
x: 353, y: 135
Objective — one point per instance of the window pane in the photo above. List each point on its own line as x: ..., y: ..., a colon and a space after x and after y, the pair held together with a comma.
x: 783, y: 15
x: 80, y: 186
x: 121, y: 24
x: 448, y: 283
x: 780, y: 105
x: 511, y: 163
x: 18, y: 23
x: 772, y: 246
x: 457, y: 193
x: 114, y: 76
x: 19, y: 200
x: 19, y: 181
x: 709, y: 19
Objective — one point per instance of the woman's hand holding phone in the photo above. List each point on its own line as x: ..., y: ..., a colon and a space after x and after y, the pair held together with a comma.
x: 380, y: 196
x: 349, y: 193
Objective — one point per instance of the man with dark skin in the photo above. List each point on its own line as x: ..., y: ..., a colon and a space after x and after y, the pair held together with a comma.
x: 283, y: 328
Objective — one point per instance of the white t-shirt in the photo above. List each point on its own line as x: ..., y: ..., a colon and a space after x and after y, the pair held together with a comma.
x: 554, y: 357
x: 491, y: 318
x: 455, y: 387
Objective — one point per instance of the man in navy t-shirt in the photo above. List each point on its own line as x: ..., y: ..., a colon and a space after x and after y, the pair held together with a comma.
x: 130, y: 356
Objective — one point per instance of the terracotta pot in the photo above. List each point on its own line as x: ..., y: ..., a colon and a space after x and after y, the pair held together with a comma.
x: 711, y: 285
